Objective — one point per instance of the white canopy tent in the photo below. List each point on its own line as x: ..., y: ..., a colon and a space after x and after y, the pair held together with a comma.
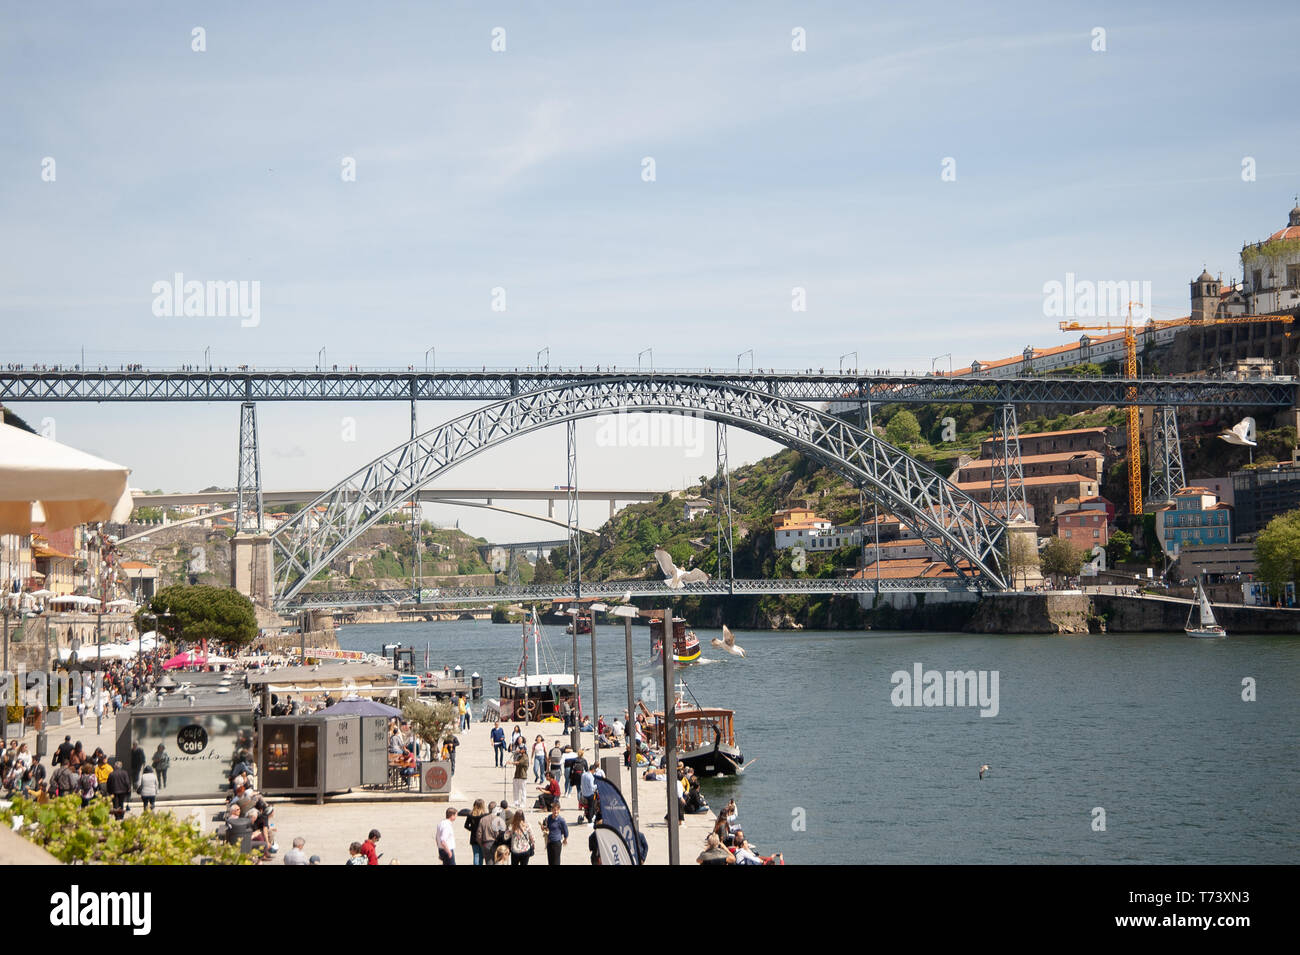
x: 113, y: 651
x: 47, y: 486
x: 75, y: 600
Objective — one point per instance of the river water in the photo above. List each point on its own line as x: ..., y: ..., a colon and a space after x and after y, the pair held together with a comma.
x: 1103, y: 749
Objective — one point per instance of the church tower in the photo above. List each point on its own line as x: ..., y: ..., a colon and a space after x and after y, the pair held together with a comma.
x: 1205, y: 296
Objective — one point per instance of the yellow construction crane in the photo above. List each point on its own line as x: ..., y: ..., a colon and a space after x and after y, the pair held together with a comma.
x: 1130, y: 371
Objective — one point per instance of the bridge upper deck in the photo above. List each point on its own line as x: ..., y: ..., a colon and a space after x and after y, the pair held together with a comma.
x: 484, y: 384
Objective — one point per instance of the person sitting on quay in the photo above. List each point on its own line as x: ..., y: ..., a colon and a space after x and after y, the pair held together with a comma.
x: 714, y: 853
x: 744, y: 853
x: 237, y: 826
x: 262, y: 831
x: 406, y: 765
x: 550, y: 792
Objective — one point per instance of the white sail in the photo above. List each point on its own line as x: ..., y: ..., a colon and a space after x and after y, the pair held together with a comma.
x: 1207, y: 614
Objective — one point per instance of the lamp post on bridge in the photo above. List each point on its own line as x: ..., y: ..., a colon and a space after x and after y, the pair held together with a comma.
x: 547, y: 350
x: 321, y: 359
x: 434, y: 351
x: 750, y: 353
x: 652, y: 359
x: 846, y: 355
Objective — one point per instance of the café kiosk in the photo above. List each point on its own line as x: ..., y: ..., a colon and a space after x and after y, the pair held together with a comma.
x: 314, y: 755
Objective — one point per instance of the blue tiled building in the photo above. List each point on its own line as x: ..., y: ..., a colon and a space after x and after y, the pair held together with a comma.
x: 1195, y: 518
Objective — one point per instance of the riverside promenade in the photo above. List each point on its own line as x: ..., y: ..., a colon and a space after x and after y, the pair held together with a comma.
x: 408, y: 820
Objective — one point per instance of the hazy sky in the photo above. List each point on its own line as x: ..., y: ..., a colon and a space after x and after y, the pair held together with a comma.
x: 523, y: 170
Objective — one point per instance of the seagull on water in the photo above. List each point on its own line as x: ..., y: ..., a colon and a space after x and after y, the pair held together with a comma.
x: 728, y: 642
x: 984, y: 769
x: 674, y: 576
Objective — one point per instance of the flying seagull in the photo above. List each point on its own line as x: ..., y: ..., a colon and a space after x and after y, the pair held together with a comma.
x: 674, y: 576
x: 984, y: 769
x: 728, y: 642
x: 1242, y: 433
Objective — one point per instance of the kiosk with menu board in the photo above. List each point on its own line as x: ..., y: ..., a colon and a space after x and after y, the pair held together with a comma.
x: 192, y: 740
x: 301, y: 755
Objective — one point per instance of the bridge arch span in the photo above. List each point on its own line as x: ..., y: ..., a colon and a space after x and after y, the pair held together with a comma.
x: 960, y: 528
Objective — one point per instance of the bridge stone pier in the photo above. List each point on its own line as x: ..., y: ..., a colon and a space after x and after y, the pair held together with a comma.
x: 251, y: 571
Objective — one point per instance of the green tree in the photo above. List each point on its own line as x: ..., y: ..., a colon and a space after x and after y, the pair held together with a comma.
x: 1018, y: 556
x: 201, y: 613
x: 544, y: 571
x: 91, y: 835
x: 903, y: 429
x: 1059, y: 558
x: 1277, y: 550
x: 1119, y: 547
x: 432, y: 722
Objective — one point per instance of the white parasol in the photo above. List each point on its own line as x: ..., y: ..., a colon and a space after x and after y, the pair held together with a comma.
x: 50, y: 485
x: 76, y: 600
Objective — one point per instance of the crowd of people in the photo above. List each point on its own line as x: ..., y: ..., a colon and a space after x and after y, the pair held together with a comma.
x: 74, y: 772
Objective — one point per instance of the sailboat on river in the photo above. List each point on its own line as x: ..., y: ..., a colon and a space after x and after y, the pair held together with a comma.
x: 1207, y: 626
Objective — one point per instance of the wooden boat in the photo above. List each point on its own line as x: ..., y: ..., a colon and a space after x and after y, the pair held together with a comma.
x: 706, y: 737
x: 686, y: 645
x: 582, y: 622
x: 1207, y: 626
x: 533, y: 696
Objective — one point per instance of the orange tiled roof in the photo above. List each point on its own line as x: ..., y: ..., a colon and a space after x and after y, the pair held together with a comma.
x: 1036, y: 481
x: 40, y: 550
x: 1056, y: 434
x: 1038, y: 458
x: 909, y: 567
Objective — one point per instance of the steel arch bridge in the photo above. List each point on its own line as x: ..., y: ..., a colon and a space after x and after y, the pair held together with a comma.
x: 961, y: 531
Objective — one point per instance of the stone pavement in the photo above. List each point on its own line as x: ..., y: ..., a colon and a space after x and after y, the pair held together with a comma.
x: 408, y: 822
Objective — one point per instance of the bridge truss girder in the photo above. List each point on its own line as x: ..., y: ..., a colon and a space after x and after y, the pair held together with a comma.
x: 958, y: 528
x: 496, y: 385
x: 309, y: 600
